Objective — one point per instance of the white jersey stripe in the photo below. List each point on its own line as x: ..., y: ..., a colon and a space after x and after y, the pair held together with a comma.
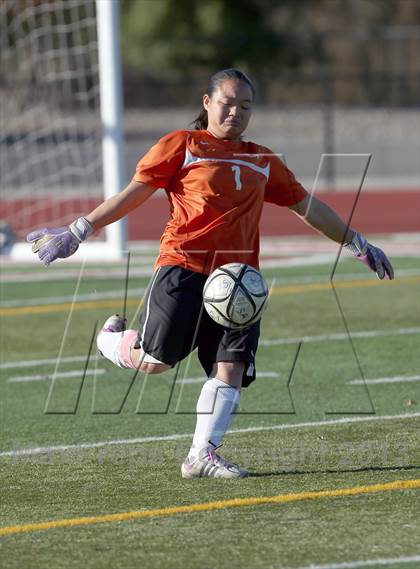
x: 190, y: 160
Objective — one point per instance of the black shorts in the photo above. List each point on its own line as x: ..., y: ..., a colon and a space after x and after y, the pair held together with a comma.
x: 174, y: 322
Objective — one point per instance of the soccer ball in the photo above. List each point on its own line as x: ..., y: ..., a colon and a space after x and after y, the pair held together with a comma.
x: 235, y: 295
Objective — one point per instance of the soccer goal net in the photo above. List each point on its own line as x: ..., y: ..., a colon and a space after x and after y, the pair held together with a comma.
x: 53, y: 133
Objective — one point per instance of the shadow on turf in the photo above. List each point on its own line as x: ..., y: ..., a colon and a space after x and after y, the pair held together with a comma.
x: 333, y: 471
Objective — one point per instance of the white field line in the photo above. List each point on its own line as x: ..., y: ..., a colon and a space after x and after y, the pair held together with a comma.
x: 341, y: 336
x: 34, y: 363
x: 117, y: 273
x: 180, y: 436
x: 202, y: 379
x: 59, y: 375
x: 407, y: 244
x: 100, y: 371
x: 382, y: 380
x: 273, y: 342
x: 344, y: 277
x: 140, y: 291
x: 366, y: 563
x: 65, y: 274
x: 298, y: 261
x: 119, y: 293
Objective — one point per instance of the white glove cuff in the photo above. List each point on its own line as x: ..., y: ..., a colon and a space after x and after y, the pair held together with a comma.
x: 81, y: 229
x: 358, y: 245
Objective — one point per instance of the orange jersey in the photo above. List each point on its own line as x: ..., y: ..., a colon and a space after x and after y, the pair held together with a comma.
x: 216, y: 190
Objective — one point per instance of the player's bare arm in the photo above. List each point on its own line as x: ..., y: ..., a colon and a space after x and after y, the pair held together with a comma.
x: 120, y: 205
x: 323, y: 219
x: 62, y: 242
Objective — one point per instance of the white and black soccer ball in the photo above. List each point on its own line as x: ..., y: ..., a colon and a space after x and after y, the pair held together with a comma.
x: 235, y: 295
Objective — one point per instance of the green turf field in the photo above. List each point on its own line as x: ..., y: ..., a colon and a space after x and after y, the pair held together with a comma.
x: 98, y: 441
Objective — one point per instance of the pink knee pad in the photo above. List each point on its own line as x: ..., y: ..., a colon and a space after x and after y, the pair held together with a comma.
x: 127, y: 341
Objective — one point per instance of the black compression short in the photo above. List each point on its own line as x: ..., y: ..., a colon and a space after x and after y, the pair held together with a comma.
x: 173, y: 323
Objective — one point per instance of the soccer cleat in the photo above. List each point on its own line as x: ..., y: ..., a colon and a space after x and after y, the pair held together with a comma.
x: 115, y: 323
x: 211, y: 465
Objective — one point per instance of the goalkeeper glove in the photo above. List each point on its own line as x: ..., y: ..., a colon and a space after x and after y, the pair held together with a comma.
x: 60, y: 242
x: 371, y: 256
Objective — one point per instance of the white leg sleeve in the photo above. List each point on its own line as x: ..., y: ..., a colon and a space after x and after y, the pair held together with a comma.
x: 116, y: 347
x: 108, y: 343
x: 216, y: 406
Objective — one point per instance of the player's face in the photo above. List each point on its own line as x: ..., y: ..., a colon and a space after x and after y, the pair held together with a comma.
x: 229, y: 109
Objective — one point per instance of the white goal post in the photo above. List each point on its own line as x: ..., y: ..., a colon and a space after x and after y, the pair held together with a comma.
x: 61, y: 143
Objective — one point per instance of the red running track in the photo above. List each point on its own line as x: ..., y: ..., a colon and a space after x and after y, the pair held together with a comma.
x: 376, y: 212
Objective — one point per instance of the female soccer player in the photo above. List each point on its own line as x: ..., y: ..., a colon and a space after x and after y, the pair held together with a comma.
x: 216, y: 184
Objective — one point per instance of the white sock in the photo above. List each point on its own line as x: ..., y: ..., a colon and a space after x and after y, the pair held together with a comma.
x: 108, y: 343
x: 216, y: 406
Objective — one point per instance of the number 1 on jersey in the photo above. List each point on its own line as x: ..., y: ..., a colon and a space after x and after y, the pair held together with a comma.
x: 237, y: 171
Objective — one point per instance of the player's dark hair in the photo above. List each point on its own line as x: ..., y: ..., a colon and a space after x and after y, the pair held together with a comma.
x: 201, y: 122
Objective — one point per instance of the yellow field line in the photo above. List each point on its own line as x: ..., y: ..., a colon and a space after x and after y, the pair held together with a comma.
x: 209, y: 506
x: 360, y: 283
x: 66, y: 306
x: 112, y: 303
